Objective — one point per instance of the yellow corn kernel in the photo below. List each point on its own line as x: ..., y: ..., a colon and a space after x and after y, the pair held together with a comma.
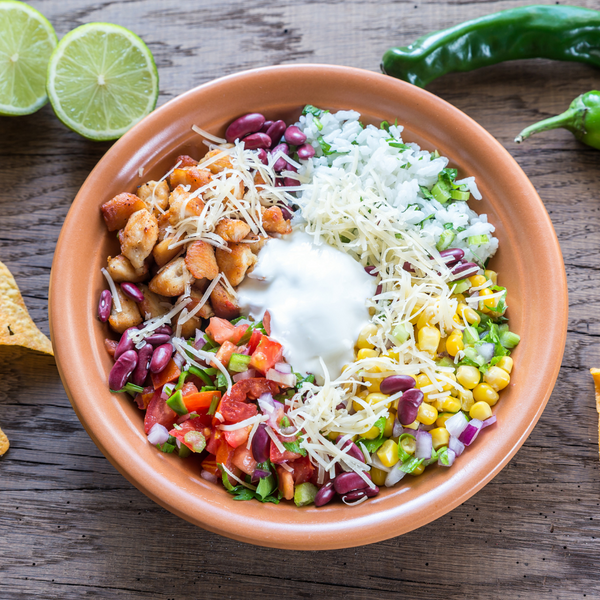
x: 459, y: 297
x: 451, y: 405
x: 438, y: 404
x: 372, y: 433
x: 489, y: 304
x: 388, y: 453
x: 506, y: 363
x: 468, y: 376
x: 378, y: 476
x: 426, y: 317
x: 466, y: 400
x: 427, y: 414
x: 448, y: 386
x: 394, y: 405
x: 498, y: 378
x: 442, y: 345
x: 477, y: 280
x: 413, y: 315
x: 440, y: 436
x: 413, y: 425
x: 333, y: 435
x: 393, y: 355
x: 422, y: 380
x: 418, y: 470
x: 389, y: 424
x: 469, y: 314
x: 368, y: 331
x: 441, y: 420
x: 409, y: 445
x: 491, y: 275
x: 428, y: 339
x: 376, y: 397
x: 374, y: 381
x: 484, y: 392
x: 457, y: 319
x: 454, y: 343
x: 481, y: 411
x: 366, y: 353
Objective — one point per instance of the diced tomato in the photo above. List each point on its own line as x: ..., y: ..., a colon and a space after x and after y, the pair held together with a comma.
x: 221, y: 330
x: 303, y: 470
x: 200, y: 400
x: 142, y: 400
x: 224, y: 353
x: 159, y: 411
x: 170, y: 373
x: 243, y: 460
x: 203, y: 419
x: 252, y: 388
x: 237, y: 437
x: 188, y: 389
x: 190, y: 425
x: 213, y: 444
x: 286, y: 483
x: 267, y: 354
x: 254, y: 340
x: 210, y: 464
x: 224, y: 454
x: 267, y: 322
x: 277, y: 457
x: 234, y: 411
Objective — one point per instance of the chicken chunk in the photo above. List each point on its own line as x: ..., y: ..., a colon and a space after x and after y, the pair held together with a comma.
x: 223, y: 303
x: 153, y: 305
x: 163, y: 254
x: 171, y: 279
x: 138, y: 237
x: 155, y: 196
x: 185, y: 161
x: 189, y: 327
x: 200, y: 260
x: 116, y: 212
x: 120, y: 269
x: 163, y: 223
x: 256, y: 243
x: 273, y: 221
x: 128, y: 317
x: 206, y: 312
x: 181, y: 206
x: 220, y: 164
x: 234, y: 264
x: 232, y: 230
x: 192, y: 176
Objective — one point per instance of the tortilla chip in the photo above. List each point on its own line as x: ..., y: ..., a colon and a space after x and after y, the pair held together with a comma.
x: 596, y: 375
x: 4, y: 443
x: 16, y: 326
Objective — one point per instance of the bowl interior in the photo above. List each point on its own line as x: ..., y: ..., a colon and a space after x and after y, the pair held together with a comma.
x: 528, y: 257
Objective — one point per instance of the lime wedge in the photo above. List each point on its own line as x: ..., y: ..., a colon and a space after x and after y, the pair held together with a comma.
x: 26, y: 41
x: 102, y: 80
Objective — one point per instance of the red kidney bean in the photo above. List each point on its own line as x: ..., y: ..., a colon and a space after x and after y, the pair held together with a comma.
x: 456, y: 254
x: 371, y: 270
x: 132, y: 291
x: 306, y: 151
x: 275, y: 131
x: 160, y: 358
x: 261, y: 442
x: 104, y: 305
x: 286, y: 212
x: 325, y: 494
x: 279, y: 182
x: 122, y: 369
x: 266, y: 126
x: 158, y: 339
x: 281, y: 163
x: 250, y: 123
x: 461, y: 267
x: 125, y: 343
x: 164, y: 329
x: 348, y: 482
x: 358, y: 494
x: 257, y: 140
x: 397, y: 383
x: 294, y: 136
x: 408, y: 406
x: 138, y: 377
x: 408, y: 267
x: 289, y: 182
x: 352, y: 449
x: 263, y: 156
x: 378, y: 289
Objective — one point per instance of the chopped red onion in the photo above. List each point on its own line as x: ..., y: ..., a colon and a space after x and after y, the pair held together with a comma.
x: 199, y: 340
x: 490, y: 421
x: 283, y: 367
x: 394, y: 476
x: 457, y: 424
x: 456, y: 445
x: 398, y: 429
x: 244, y: 375
x: 288, y: 431
x: 167, y: 390
x: 467, y: 437
x: 423, y: 427
x: 159, y: 434
x: 273, y: 410
x: 183, y: 418
x: 178, y: 359
x: 260, y: 474
x: 376, y: 462
x: 451, y: 456
x: 424, y: 445
x: 288, y: 380
x: 208, y: 476
x: 486, y: 351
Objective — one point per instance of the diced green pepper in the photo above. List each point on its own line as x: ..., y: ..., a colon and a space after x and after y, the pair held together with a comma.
x: 238, y: 363
x: 175, y: 402
x: 305, y: 494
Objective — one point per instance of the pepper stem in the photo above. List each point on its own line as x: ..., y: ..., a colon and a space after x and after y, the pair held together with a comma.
x: 572, y: 119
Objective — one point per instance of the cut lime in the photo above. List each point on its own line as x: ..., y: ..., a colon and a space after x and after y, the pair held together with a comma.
x: 102, y: 80
x: 26, y: 41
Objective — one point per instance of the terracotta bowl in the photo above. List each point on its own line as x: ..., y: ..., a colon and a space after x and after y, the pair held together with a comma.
x: 529, y: 258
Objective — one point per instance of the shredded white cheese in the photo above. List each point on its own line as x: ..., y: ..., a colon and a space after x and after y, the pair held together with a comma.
x: 113, y: 290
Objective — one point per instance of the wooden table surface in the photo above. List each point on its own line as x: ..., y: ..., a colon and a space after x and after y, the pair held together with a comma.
x: 72, y: 527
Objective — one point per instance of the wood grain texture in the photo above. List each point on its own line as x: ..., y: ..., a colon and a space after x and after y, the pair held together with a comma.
x: 72, y: 527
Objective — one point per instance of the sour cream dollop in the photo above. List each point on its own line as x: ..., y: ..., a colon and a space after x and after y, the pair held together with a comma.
x: 316, y: 296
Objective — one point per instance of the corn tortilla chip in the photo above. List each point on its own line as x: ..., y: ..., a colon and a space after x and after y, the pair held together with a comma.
x: 596, y: 375
x: 4, y: 443
x: 16, y: 326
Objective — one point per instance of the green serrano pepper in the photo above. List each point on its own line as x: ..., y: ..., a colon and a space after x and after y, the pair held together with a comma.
x: 566, y: 33
x: 582, y: 119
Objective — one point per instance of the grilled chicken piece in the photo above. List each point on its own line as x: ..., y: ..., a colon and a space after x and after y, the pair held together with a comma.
x: 200, y: 260
x: 116, y: 212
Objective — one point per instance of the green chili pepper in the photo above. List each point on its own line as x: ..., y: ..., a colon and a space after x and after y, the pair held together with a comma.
x: 566, y: 33
x: 582, y: 119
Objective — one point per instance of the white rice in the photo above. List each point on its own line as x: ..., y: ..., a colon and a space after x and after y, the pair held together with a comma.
x: 395, y: 174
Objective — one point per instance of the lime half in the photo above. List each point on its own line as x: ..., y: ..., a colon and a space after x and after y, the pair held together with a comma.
x: 27, y: 40
x: 102, y: 80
